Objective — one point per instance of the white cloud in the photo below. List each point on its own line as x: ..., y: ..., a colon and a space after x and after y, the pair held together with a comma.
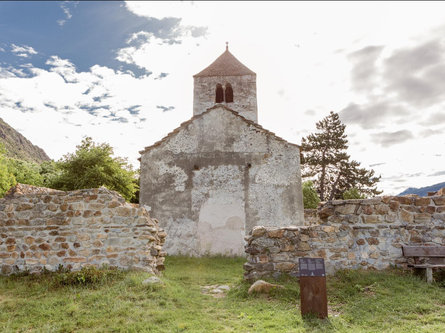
x: 22, y: 51
x: 65, y: 6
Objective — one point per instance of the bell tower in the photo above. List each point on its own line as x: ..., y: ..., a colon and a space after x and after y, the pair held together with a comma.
x: 226, y: 81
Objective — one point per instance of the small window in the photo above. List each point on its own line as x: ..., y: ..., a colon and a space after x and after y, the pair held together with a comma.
x: 219, y: 96
x: 229, y: 93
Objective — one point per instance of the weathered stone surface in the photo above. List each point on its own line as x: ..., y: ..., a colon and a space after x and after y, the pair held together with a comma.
x: 391, y: 222
x: 215, y: 178
x: 48, y: 229
x: 406, y: 216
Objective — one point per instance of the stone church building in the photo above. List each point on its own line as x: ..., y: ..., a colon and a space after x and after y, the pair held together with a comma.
x: 219, y: 174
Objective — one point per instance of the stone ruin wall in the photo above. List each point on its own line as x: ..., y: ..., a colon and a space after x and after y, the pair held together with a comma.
x: 349, y: 234
x: 44, y: 228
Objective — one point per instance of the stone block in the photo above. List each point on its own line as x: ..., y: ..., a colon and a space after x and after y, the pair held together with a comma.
x: 325, y: 212
x: 372, y: 241
x: 406, y: 216
x: 328, y: 229
x: 366, y: 209
x: 439, y: 201
x: 275, y: 233
x: 404, y: 200
x: 423, y: 201
x: 346, y: 209
x: 422, y: 217
x: 285, y: 266
x: 372, y: 219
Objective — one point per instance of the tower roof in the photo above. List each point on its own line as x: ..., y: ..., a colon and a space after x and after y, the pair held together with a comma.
x: 225, y: 65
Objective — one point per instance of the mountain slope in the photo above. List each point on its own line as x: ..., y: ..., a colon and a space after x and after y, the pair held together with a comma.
x: 17, y: 146
x: 423, y: 191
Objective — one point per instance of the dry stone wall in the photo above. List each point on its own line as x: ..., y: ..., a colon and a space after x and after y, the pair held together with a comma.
x: 46, y: 228
x: 349, y: 234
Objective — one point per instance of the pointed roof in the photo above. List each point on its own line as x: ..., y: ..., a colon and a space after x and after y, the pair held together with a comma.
x: 225, y: 65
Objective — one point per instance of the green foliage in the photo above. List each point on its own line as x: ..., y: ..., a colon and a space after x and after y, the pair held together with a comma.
x: 324, y: 157
x: 25, y: 172
x: 87, y: 276
x: 353, y: 193
x: 310, y: 196
x: 49, y: 171
x: 92, y: 166
x: 7, y: 179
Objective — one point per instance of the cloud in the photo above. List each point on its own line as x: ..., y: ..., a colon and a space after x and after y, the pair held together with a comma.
x: 135, y: 109
x: 165, y: 108
x: 438, y: 173
x: 64, y: 68
x: 386, y: 139
x: 436, y: 118
x: 430, y: 132
x: 364, y: 73
x: 309, y: 113
x: 65, y: 6
x: 23, y: 51
x: 416, y: 74
x: 392, y: 84
x: 372, y: 114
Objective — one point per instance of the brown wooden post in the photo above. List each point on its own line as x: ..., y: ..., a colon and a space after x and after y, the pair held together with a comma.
x: 313, y: 294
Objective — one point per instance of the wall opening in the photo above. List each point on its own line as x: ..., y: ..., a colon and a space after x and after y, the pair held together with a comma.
x: 229, y: 93
x: 219, y: 94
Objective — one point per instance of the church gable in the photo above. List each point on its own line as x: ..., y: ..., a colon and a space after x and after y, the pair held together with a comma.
x: 218, y: 129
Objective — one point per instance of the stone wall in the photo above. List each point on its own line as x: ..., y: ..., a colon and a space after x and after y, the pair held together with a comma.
x: 47, y: 228
x: 244, y: 94
x: 216, y: 177
x: 349, y: 234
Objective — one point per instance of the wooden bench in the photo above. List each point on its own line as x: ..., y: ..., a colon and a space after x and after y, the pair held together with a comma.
x: 427, y: 257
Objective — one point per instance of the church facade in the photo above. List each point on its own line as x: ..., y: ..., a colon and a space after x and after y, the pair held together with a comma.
x: 219, y: 174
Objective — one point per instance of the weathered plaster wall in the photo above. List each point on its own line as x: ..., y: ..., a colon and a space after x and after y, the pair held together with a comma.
x: 47, y: 228
x: 244, y: 94
x: 215, y: 179
x: 348, y: 235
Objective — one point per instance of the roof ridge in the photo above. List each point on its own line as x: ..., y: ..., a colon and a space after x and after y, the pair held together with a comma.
x: 185, y: 123
x: 225, y: 65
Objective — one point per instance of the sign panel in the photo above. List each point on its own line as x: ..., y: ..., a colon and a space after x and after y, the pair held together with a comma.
x: 313, y: 294
x: 311, y: 267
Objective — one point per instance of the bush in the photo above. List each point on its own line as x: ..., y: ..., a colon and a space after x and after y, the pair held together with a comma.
x: 353, y: 193
x: 310, y: 196
x: 89, y: 275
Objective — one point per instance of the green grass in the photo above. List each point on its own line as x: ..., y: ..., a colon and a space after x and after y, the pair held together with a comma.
x: 359, y: 301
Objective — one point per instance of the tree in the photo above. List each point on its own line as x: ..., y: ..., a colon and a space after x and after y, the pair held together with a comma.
x: 352, y: 194
x: 25, y: 172
x: 7, y: 179
x: 324, y: 157
x: 92, y: 166
x: 310, y: 196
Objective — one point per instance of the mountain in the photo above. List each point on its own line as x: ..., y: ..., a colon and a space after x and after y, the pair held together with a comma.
x: 19, y: 147
x: 423, y: 191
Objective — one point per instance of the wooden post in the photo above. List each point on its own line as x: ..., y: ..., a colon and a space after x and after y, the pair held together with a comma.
x: 429, y: 274
x: 313, y: 295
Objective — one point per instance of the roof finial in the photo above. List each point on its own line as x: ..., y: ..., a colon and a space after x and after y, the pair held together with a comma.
x: 227, y: 46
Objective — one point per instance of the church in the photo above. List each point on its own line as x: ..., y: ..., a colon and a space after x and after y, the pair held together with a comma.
x: 219, y: 174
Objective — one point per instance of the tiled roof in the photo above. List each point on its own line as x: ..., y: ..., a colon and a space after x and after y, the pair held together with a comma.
x: 225, y: 65
x: 186, y: 123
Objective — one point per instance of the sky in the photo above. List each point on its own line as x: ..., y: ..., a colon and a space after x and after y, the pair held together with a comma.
x: 121, y: 73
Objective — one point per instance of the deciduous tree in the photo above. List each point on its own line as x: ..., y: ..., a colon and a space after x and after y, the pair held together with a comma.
x: 92, y: 165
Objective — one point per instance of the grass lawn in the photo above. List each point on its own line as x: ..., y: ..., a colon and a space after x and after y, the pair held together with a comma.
x: 359, y: 301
